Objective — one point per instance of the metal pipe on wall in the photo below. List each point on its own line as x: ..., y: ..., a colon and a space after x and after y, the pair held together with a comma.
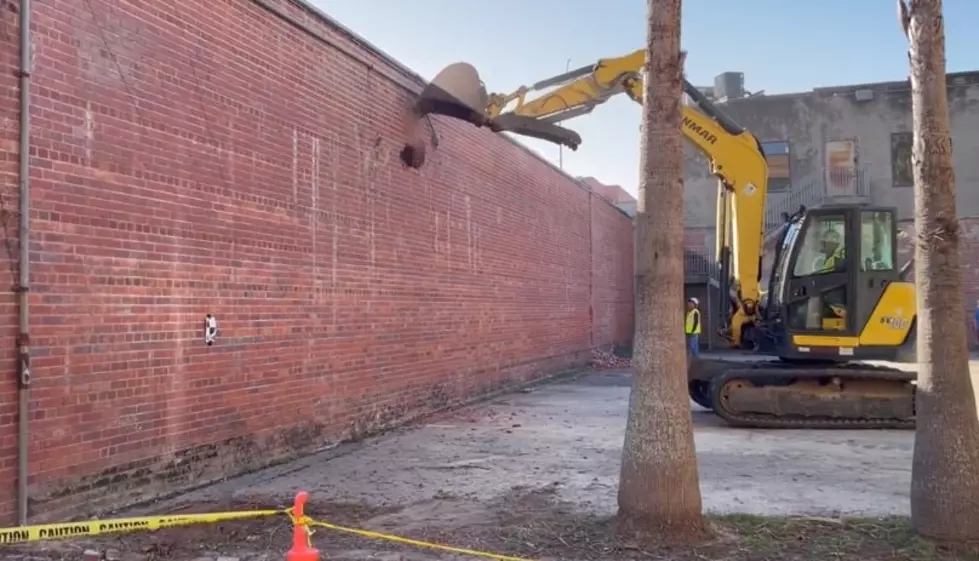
x: 24, y: 265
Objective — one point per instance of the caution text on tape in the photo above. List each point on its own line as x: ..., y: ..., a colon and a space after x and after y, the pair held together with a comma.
x: 68, y: 530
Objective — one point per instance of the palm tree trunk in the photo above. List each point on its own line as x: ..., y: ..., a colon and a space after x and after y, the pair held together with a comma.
x: 945, y: 468
x: 659, y: 488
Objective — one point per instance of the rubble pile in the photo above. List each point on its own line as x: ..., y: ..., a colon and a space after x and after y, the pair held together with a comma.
x: 606, y: 359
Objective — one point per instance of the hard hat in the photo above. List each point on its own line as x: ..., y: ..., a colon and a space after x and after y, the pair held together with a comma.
x: 695, y: 301
x: 832, y: 236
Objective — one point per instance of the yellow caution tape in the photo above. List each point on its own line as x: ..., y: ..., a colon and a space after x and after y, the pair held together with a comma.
x: 408, y: 541
x: 68, y: 530
x: 48, y: 532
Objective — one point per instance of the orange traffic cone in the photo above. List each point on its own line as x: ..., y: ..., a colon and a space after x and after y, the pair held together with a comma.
x: 302, y: 549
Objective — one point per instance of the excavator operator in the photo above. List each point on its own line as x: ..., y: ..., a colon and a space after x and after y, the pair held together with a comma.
x: 834, y: 250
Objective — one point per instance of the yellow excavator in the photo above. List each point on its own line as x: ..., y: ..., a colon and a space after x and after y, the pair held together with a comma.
x: 835, y: 295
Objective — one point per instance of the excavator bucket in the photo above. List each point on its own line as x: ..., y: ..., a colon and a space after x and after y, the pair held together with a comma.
x: 456, y: 91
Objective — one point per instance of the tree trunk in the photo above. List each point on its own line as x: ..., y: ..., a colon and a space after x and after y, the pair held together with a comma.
x: 944, y: 481
x: 659, y: 488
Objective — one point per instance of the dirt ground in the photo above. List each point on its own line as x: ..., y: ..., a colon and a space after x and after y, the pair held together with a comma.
x: 533, y: 474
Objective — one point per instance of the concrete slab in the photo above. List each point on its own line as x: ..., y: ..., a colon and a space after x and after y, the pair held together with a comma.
x: 567, y: 437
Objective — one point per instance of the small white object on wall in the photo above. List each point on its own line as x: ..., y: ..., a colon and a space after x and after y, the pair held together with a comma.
x: 210, y: 329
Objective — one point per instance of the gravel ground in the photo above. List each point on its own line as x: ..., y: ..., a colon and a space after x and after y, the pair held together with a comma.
x: 534, y: 474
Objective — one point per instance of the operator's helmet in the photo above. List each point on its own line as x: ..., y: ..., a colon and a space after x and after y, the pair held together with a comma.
x: 830, y: 241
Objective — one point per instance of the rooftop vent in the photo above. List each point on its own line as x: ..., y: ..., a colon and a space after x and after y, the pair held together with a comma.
x: 863, y: 94
x: 729, y: 85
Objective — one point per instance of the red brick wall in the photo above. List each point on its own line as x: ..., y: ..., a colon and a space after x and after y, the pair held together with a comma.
x: 202, y: 156
x: 613, y: 284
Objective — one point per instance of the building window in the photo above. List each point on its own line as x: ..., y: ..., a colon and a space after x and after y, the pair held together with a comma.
x: 779, y: 172
x: 901, y: 171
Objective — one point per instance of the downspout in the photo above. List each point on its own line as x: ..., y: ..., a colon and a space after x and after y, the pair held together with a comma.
x: 24, y: 233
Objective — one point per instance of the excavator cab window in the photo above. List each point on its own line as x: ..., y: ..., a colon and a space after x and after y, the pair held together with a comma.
x: 840, y: 261
x: 878, y: 261
x: 877, y: 233
x: 780, y: 268
x: 818, y: 300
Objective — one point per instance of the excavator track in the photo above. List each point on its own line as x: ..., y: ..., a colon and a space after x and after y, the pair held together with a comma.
x: 777, y: 395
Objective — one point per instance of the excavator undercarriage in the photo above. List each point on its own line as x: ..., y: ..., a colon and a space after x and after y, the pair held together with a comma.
x: 777, y: 394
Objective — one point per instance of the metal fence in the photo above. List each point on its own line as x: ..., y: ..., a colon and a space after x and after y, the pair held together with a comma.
x: 700, y: 262
x: 842, y: 183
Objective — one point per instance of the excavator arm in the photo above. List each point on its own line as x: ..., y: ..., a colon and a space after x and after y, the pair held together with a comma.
x: 807, y: 390
x: 734, y: 155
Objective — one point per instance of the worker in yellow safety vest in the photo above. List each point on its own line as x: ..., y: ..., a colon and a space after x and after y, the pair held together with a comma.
x: 834, y: 251
x: 692, y: 328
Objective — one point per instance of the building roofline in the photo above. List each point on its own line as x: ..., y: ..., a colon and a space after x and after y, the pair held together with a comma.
x: 410, y: 81
x: 953, y: 79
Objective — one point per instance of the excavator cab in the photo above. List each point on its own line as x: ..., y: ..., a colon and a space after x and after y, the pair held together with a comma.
x: 836, y: 291
x: 835, y: 297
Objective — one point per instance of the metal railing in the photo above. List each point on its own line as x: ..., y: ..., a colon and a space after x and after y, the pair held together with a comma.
x: 838, y: 184
x: 847, y: 183
x: 700, y: 262
x: 788, y: 203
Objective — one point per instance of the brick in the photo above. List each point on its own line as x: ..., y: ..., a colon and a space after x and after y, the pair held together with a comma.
x: 195, y: 157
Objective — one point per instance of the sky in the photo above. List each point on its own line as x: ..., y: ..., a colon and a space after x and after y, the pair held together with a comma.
x: 781, y: 46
